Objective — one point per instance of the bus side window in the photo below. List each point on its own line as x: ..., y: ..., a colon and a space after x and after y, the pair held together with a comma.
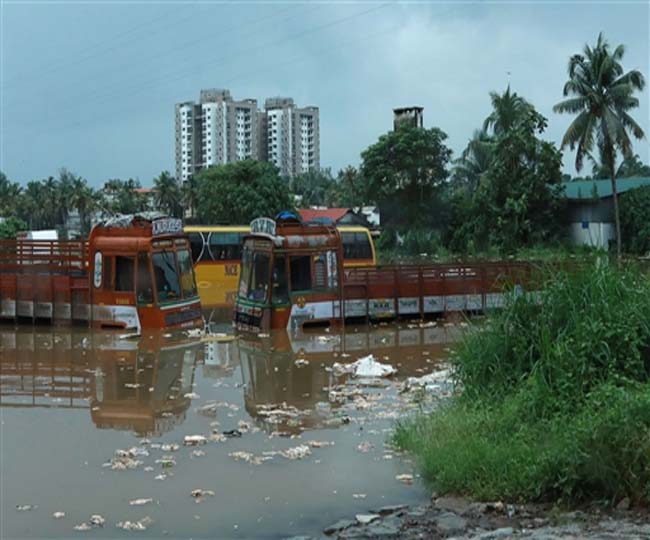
x: 300, y: 273
x: 320, y: 272
x: 196, y: 245
x: 280, y: 290
x: 108, y: 273
x: 347, y: 239
x: 124, y: 273
x: 363, y: 246
x: 144, y: 282
x: 225, y: 246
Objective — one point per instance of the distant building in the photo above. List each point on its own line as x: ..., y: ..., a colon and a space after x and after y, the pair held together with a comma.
x: 412, y: 116
x: 221, y: 130
x: 339, y: 216
x: 591, y: 209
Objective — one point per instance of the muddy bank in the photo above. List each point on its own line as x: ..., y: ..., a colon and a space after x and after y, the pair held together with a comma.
x: 457, y: 518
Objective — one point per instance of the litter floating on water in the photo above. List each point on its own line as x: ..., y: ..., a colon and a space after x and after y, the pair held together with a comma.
x: 297, y: 452
x: 82, y: 527
x: 194, y: 440
x: 96, y: 520
x: 58, y: 515
x: 359, y: 495
x: 366, y: 367
x: 170, y: 447
x: 199, y: 494
x: 191, y: 395
x: 166, y: 461
x: 140, y: 502
x: 140, y: 525
x: 405, y: 478
x: 26, y: 507
x: 320, y: 444
x: 301, y: 362
x: 365, y: 447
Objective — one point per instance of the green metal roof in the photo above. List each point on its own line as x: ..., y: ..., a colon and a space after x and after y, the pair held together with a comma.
x: 587, y: 189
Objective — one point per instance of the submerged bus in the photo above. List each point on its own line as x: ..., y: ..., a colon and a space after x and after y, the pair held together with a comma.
x: 133, y: 272
x: 217, y: 253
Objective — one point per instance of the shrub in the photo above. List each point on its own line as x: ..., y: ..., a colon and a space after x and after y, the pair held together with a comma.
x: 555, y: 397
x: 635, y: 220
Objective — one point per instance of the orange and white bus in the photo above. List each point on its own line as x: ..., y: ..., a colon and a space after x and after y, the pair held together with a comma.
x: 217, y: 251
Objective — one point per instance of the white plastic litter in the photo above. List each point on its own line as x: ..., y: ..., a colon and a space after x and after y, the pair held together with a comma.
x: 366, y: 367
x: 140, y: 502
x: 194, y: 440
x: 58, y: 515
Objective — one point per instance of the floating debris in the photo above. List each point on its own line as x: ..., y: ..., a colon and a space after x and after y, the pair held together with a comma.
x: 140, y: 502
x: 162, y: 476
x: 365, y: 447
x: 199, y: 494
x: 191, y: 395
x: 140, y: 525
x: 26, y: 507
x: 248, y: 457
x: 217, y: 437
x: 366, y: 367
x: 297, y: 452
x: 405, y: 478
x: 320, y: 444
x: 166, y: 462
x: 169, y: 447
x: 82, y: 527
x: 359, y: 495
x: 301, y: 362
x: 209, y: 409
x: 58, y: 515
x: 194, y: 440
x: 232, y: 433
x: 96, y: 520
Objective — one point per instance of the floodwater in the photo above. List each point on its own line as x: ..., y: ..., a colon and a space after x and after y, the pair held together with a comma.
x: 310, y: 445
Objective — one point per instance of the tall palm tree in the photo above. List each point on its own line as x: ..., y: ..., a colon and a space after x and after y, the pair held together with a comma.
x: 508, y: 110
x: 601, y: 96
x: 167, y: 194
x: 190, y: 196
x: 474, y: 160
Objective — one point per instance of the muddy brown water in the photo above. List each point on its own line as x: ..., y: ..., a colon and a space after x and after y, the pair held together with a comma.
x: 69, y: 399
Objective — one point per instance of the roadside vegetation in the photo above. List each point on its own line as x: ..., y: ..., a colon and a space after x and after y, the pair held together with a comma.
x: 553, y: 398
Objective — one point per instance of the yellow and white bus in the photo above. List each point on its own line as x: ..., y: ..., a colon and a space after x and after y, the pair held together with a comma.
x: 216, y: 252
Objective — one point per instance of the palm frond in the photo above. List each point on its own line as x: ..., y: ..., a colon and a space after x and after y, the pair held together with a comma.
x: 571, y: 105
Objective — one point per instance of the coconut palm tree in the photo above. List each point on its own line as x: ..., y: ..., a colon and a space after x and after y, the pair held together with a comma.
x: 508, y: 110
x: 190, y: 196
x: 474, y: 160
x: 601, y: 94
x: 167, y: 194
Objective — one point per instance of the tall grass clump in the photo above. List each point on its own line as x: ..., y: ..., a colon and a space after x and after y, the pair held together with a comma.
x: 554, y: 398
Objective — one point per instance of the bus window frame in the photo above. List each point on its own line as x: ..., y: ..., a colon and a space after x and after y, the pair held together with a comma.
x: 149, y: 254
x: 168, y: 301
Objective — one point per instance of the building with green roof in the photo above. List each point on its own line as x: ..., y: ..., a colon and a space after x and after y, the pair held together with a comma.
x: 591, y: 209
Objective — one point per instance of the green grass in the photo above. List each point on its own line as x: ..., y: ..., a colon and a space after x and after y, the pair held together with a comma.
x: 555, y: 401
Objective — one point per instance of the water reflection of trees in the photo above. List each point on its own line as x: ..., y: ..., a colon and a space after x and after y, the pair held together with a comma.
x: 293, y: 371
x: 128, y: 385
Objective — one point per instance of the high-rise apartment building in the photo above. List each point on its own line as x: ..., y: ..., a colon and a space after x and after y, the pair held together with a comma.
x: 221, y: 130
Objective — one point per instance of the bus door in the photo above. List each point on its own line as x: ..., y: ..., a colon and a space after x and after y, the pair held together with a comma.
x: 114, y: 298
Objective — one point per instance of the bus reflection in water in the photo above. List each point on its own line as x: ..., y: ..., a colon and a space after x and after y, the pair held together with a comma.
x: 127, y: 385
x: 290, y: 369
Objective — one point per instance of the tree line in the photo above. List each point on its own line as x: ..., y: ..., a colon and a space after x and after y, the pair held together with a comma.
x: 503, y: 192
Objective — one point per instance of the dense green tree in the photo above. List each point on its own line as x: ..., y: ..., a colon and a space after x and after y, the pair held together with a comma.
x: 122, y: 197
x: 519, y: 201
x: 314, y: 187
x: 404, y: 172
x: 168, y: 196
x: 85, y: 200
x: 348, y: 190
x: 239, y: 192
x: 635, y: 220
x: 508, y: 109
x: 10, y: 193
x: 190, y: 197
x: 601, y: 95
x: 10, y: 226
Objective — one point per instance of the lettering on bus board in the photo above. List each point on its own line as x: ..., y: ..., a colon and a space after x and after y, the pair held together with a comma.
x: 231, y: 269
x: 166, y: 226
x: 263, y: 225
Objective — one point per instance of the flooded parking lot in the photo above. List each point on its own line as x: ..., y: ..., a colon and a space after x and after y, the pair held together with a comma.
x: 219, y: 437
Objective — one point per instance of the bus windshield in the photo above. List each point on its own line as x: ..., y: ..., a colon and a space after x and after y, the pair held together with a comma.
x: 166, y: 276
x: 188, y: 285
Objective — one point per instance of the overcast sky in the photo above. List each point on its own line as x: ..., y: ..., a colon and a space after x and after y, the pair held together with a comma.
x: 91, y: 86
